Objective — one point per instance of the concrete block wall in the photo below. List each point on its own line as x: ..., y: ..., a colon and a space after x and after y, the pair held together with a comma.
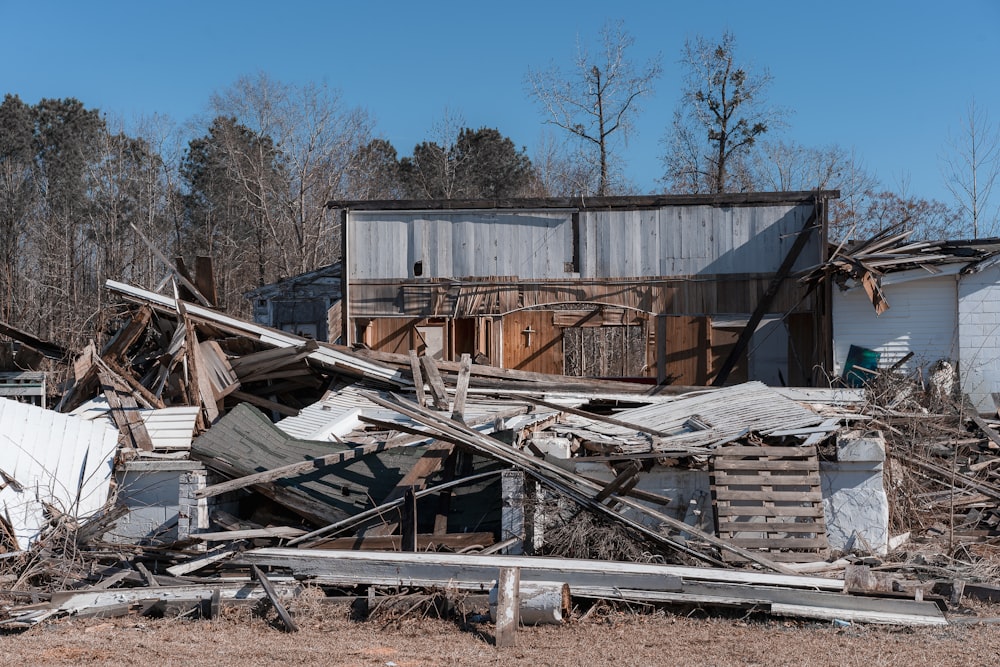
x: 979, y: 335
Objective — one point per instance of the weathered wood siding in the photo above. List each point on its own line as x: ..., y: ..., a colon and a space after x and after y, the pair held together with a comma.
x: 692, y: 240
x: 447, y: 244
x: 693, y: 266
x: 617, y: 243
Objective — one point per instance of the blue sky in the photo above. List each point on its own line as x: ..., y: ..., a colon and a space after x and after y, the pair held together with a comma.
x: 889, y: 79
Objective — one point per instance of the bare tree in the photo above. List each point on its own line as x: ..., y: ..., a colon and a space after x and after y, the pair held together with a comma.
x: 317, y: 137
x: 597, y: 100
x: 560, y: 170
x: 783, y: 166
x: 722, y: 115
x: 971, y: 165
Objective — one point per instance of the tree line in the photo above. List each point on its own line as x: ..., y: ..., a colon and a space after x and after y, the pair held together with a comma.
x: 82, y: 199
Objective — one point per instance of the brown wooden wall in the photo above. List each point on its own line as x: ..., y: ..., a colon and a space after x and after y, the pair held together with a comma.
x: 608, y: 342
x: 692, y: 295
x: 543, y: 353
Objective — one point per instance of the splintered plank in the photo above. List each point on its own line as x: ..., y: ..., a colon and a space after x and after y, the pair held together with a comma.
x: 124, y: 410
x: 769, y: 499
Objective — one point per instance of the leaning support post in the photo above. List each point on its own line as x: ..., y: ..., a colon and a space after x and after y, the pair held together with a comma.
x: 508, y: 615
x: 765, y: 301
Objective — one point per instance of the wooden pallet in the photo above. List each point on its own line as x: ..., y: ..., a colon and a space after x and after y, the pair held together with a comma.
x: 769, y: 499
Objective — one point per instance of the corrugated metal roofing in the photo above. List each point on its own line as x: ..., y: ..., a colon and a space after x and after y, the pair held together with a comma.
x: 54, y: 458
x: 728, y: 412
x: 169, y: 428
x: 337, y: 414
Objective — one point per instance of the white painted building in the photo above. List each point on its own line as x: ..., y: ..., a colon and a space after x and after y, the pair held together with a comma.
x: 946, y: 310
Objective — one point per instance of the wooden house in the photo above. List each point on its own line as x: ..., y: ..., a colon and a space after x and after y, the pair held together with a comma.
x: 665, y: 288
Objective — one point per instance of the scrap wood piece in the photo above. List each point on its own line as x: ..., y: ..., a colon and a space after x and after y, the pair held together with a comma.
x: 438, y: 393
x: 199, y: 383
x: 79, y: 601
x: 128, y: 334
x: 46, y: 348
x: 151, y: 400
x: 280, y: 532
x: 124, y: 410
x: 329, y: 357
x: 418, y: 377
x: 476, y: 571
x: 424, y: 542
x: 219, y: 369
x: 272, y: 595
x: 949, y: 474
x: 987, y: 430
x: 260, y: 365
x: 770, y: 498
x: 264, y: 403
x: 462, y: 387
x: 216, y: 555
x: 572, y: 485
x: 629, y: 475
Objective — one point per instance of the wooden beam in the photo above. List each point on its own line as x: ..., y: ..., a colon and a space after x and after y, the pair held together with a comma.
x: 124, y: 410
x: 171, y: 267
x: 630, y: 472
x: 425, y: 541
x: 462, y: 388
x: 272, y: 595
x: 438, y: 393
x: 280, y: 408
x: 418, y: 378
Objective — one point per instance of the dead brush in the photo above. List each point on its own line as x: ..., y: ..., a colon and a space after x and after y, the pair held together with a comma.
x: 395, y: 608
x: 585, y: 535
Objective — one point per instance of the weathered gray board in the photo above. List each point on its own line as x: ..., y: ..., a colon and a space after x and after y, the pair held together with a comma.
x: 463, y: 572
x: 800, y: 596
x: 478, y: 572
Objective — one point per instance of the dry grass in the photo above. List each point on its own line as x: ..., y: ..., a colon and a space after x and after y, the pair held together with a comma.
x: 329, y: 637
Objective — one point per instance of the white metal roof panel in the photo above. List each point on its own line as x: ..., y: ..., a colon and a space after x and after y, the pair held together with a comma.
x: 59, y: 459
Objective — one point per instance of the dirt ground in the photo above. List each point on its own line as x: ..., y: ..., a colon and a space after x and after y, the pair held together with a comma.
x: 328, y: 636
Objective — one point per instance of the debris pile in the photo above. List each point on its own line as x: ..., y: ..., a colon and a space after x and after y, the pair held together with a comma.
x: 196, y: 460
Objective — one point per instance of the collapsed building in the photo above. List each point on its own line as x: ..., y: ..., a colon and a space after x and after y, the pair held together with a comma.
x: 545, y: 418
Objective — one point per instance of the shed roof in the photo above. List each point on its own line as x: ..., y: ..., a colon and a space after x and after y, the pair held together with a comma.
x: 583, y: 203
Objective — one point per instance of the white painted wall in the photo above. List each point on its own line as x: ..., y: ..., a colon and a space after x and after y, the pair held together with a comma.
x: 922, y: 318
x: 979, y: 327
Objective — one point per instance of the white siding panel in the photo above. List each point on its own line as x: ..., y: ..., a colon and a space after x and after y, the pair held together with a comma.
x: 922, y: 318
x: 58, y: 459
x: 979, y: 324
